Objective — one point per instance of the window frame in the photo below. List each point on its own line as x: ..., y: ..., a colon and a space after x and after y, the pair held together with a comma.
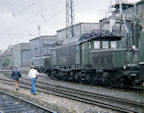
x: 106, y: 45
x: 96, y: 45
x: 115, y: 45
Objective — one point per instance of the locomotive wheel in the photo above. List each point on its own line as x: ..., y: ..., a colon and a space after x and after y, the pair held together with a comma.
x: 72, y: 76
x: 65, y: 76
x: 82, y: 77
x: 52, y: 75
x: 48, y: 73
x: 118, y: 83
x: 77, y: 77
x: 106, y: 79
x: 88, y: 78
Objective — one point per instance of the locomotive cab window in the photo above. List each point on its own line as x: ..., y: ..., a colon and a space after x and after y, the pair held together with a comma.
x: 105, y: 44
x: 113, y: 44
x: 77, y: 49
x: 96, y: 44
x: 89, y: 45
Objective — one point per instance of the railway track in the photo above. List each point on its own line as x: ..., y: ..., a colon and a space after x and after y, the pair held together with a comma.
x: 125, y: 89
x: 108, y: 102
x: 12, y: 104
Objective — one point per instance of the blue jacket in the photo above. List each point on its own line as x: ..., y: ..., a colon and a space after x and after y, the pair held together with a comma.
x: 16, y: 74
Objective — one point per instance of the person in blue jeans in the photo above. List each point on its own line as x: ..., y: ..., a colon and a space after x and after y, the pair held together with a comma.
x: 33, y: 73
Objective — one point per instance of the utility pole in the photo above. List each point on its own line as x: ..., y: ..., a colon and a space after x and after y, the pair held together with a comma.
x: 40, y: 40
x: 70, y: 18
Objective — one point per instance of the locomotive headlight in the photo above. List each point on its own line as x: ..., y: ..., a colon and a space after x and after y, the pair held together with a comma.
x: 133, y: 47
x: 124, y: 67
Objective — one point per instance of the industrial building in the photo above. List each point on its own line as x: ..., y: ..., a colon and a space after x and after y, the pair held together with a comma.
x: 79, y: 29
x: 122, y: 23
x: 40, y: 46
x: 21, y: 55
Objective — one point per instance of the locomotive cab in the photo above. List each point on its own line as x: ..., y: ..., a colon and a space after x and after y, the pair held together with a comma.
x: 106, y: 54
x: 97, y: 51
x: 118, y: 66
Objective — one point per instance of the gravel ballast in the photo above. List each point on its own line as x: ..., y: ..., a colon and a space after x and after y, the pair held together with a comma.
x: 58, y: 104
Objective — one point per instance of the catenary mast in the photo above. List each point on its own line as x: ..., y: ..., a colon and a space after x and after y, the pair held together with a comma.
x: 70, y: 18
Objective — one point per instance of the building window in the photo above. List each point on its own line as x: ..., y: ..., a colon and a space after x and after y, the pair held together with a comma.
x: 96, y: 44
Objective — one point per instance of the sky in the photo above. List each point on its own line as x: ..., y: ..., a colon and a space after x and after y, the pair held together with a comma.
x: 20, y: 20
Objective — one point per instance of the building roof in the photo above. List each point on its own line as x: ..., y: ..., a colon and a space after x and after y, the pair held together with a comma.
x: 77, y: 25
x: 43, y: 36
x: 22, y: 45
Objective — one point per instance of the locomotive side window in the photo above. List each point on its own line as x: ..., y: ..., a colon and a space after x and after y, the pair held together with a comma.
x: 54, y: 53
x: 77, y: 49
x: 83, y: 47
x: 105, y: 44
x: 96, y: 44
x: 113, y: 44
x: 89, y: 45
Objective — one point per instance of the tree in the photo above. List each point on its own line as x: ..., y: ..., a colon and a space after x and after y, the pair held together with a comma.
x: 6, y: 62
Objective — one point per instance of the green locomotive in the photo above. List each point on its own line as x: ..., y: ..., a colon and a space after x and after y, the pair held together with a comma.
x: 96, y: 58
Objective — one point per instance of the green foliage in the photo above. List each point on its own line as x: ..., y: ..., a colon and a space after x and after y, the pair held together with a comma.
x: 6, y: 62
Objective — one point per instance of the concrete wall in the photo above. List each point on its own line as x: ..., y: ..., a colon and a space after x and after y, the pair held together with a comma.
x: 21, y: 55
x: 26, y: 58
x: 35, y: 47
x: 16, y: 55
x: 40, y: 46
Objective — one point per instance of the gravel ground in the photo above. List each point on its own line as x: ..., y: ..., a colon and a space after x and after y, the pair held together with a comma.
x: 99, y: 90
x: 61, y: 105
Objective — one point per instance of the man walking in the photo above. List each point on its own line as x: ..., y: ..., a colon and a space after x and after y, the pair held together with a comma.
x: 33, y: 75
x: 16, y: 75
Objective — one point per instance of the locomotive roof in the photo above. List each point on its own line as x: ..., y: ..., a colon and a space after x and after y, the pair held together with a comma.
x: 99, y: 36
x: 89, y: 36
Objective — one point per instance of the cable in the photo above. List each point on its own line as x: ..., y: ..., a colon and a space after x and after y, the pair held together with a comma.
x: 26, y: 19
x: 51, y: 17
x: 9, y: 4
x: 28, y: 7
x: 51, y: 6
x: 12, y: 4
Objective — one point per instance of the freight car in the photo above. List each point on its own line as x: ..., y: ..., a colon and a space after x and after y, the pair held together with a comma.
x: 96, y: 58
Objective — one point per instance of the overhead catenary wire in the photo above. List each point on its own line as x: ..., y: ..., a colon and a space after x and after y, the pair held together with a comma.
x: 36, y: 14
x: 12, y: 4
x: 29, y: 6
x: 50, y: 6
x: 6, y: 4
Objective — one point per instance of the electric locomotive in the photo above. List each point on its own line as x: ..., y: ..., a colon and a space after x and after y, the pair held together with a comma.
x: 97, y: 58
